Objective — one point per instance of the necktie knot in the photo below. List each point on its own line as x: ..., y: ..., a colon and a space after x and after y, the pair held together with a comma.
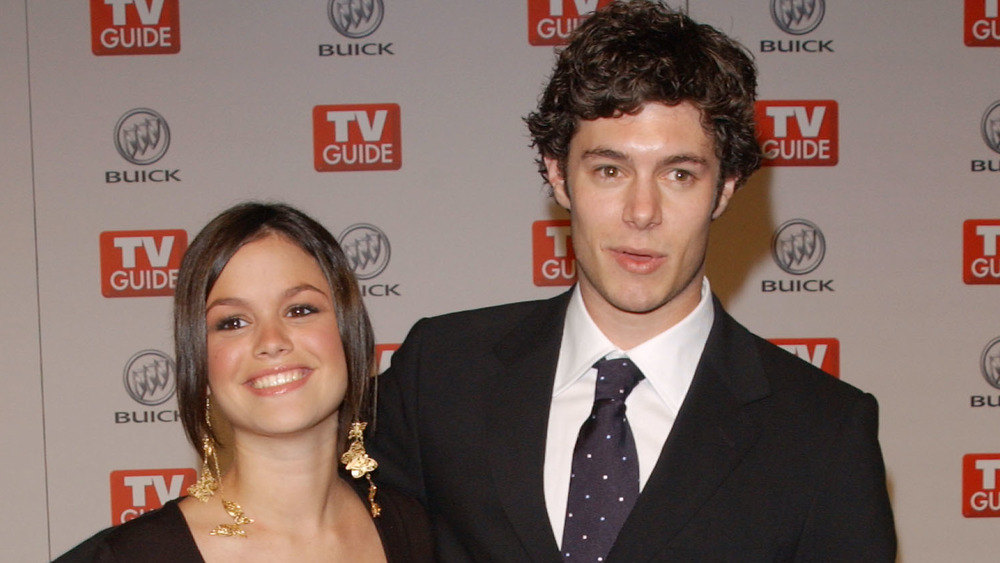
x: 616, y: 378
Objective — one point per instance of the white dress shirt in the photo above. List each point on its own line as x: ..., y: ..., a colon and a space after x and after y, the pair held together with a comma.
x: 668, y: 361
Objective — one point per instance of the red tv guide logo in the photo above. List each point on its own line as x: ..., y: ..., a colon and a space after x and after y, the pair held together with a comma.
x: 980, y: 495
x: 980, y: 263
x: 133, y: 493
x: 823, y: 353
x: 982, y: 23
x: 141, y: 263
x: 357, y: 137
x: 798, y: 132
x: 135, y: 27
x: 553, y: 260
x: 551, y: 21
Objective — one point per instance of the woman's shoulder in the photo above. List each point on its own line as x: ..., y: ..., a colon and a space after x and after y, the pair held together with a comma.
x: 158, y: 535
x: 402, y: 524
x: 396, y: 504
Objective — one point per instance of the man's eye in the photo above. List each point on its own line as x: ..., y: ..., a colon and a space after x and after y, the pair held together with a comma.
x: 609, y: 171
x: 681, y: 176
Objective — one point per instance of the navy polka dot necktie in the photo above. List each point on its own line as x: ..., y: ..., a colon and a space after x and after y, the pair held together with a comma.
x: 604, y: 483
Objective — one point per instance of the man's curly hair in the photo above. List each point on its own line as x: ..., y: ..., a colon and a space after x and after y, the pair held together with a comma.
x: 632, y: 53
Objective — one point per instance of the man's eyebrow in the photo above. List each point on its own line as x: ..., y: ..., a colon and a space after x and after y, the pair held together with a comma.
x: 685, y: 158
x: 604, y: 152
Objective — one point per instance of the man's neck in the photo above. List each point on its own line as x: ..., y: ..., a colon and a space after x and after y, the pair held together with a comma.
x: 626, y: 329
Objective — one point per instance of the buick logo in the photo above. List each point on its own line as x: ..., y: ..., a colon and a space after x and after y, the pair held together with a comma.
x: 991, y: 127
x: 142, y: 136
x: 150, y: 377
x: 355, y: 18
x: 797, y: 17
x: 798, y: 247
x: 990, y: 363
x: 367, y: 250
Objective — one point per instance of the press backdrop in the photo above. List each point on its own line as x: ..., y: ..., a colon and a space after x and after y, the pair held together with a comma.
x: 868, y: 245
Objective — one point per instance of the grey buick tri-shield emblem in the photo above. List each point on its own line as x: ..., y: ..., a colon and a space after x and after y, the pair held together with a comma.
x: 355, y: 18
x: 142, y: 136
x: 797, y: 17
x: 990, y: 362
x: 991, y: 127
x: 150, y: 377
x: 798, y: 247
x: 367, y: 249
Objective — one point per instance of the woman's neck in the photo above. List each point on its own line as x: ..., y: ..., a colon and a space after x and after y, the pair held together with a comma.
x: 288, y: 482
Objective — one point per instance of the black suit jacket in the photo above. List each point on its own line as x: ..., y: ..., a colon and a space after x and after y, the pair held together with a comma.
x: 769, y: 459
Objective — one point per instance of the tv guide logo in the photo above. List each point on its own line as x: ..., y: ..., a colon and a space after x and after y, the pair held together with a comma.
x: 980, y: 496
x: 553, y: 260
x: 135, y: 27
x: 981, y: 265
x: 982, y: 23
x: 798, y: 132
x: 551, y: 21
x: 357, y: 137
x: 134, y: 493
x: 823, y: 353
x: 141, y: 263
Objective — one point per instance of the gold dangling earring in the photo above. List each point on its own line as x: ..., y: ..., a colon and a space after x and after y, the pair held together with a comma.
x: 356, y: 460
x: 207, y: 483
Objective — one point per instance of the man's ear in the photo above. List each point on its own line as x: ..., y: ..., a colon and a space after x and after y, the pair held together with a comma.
x: 559, y: 189
x: 722, y: 199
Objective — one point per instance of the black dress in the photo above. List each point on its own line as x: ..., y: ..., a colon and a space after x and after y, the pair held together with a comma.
x: 162, y: 536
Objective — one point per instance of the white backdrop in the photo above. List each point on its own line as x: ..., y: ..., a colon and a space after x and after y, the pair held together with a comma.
x: 237, y: 89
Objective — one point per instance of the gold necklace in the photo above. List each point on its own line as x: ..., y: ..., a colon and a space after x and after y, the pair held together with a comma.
x: 239, y: 518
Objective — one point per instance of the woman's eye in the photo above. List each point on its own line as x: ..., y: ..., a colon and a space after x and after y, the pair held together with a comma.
x: 230, y: 323
x: 301, y: 310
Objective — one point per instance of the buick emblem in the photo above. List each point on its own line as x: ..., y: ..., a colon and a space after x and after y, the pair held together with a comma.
x: 150, y: 377
x: 798, y: 247
x: 356, y: 18
x: 142, y: 136
x: 991, y: 127
x: 797, y: 17
x: 990, y: 362
x: 367, y: 250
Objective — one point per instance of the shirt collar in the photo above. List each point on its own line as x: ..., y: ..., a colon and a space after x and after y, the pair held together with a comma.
x: 668, y: 360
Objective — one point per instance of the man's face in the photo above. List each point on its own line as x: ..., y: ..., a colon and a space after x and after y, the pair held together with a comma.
x: 641, y: 190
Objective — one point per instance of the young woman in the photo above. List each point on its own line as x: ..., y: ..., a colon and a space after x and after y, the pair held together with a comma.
x: 271, y: 334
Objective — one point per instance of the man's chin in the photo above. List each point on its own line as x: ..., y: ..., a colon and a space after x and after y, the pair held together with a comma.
x: 649, y: 302
x: 641, y: 304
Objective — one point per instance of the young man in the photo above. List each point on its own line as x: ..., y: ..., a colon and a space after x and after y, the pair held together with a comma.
x: 703, y: 441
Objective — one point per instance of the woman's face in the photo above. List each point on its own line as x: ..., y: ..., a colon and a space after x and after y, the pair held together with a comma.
x: 276, y: 364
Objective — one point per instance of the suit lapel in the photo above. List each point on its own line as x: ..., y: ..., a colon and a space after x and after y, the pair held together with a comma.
x: 718, y: 423
x: 517, y: 418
